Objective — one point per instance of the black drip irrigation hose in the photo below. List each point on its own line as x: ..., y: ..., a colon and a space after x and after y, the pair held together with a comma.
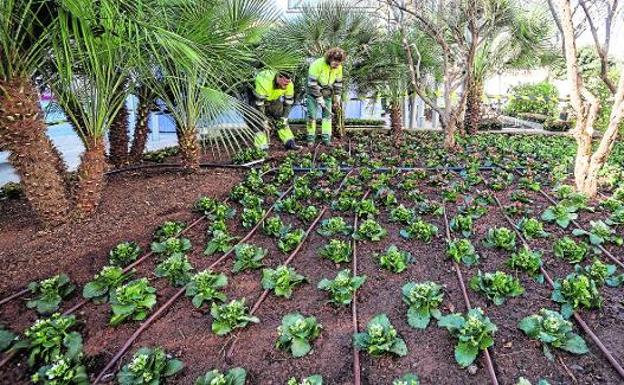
x: 388, y: 169
x: 603, y: 349
x: 245, y: 166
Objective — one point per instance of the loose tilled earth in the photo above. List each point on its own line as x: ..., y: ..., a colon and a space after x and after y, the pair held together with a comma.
x: 136, y: 203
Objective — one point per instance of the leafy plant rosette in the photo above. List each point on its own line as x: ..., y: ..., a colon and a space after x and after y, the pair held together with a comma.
x: 497, y: 286
x: 474, y: 331
x: 133, y: 300
x: 462, y: 224
x: 274, y: 227
x: 281, y: 280
x: 334, y: 226
x: 311, y: 380
x: 234, y: 376
x: 575, y: 291
x: 230, y: 316
x: 296, y: 334
x: 601, y: 273
x: 169, y: 229
x: 380, y: 338
x: 124, y: 254
x: 7, y: 338
x: 289, y: 241
x: 532, y: 228
x: 221, y: 242
x: 528, y: 261
x: 568, y: 249
x: 103, y: 282
x: 600, y: 233
x: 171, y: 246
x: 407, y: 379
x: 176, y: 269
x: 370, y: 230
x: 500, y: 238
x: 204, y: 287
x: 51, y: 338
x: 552, y: 330
x: 337, y: 251
x: 394, y: 260
x: 49, y: 293
x: 561, y: 214
x: 342, y: 288
x: 401, y: 214
x: 423, y: 300
x: 148, y: 366
x: 248, y: 257
x: 420, y: 230
x: 462, y: 250
x: 61, y: 371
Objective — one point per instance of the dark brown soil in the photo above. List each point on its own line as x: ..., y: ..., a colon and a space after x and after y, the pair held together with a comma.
x: 135, y: 204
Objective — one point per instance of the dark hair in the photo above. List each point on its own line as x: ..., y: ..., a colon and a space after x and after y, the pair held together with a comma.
x: 285, y: 74
x: 335, y: 54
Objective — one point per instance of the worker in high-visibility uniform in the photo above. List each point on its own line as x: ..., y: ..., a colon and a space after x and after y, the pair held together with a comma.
x: 324, y: 84
x: 273, y: 96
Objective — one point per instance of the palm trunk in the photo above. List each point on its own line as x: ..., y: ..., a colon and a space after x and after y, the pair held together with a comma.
x: 141, y: 128
x: 118, y: 138
x: 33, y: 155
x: 90, y: 177
x: 396, y: 126
x: 189, y: 148
x: 473, y: 106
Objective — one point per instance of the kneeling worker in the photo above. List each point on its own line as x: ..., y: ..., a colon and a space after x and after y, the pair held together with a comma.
x: 324, y: 84
x: 273, y: 96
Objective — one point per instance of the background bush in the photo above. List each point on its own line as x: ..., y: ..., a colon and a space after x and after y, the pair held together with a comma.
x: 544, y: 89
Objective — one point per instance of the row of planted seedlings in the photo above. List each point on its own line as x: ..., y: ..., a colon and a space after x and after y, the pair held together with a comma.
x: 586, y: 235
x: 53, y: 345
x: 281, y: 235
x: 550, y: 247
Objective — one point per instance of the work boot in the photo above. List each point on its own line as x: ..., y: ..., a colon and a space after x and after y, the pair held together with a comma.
x: 292, y: 146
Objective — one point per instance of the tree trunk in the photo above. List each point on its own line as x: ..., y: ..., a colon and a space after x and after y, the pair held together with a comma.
x: 141, y: 127
x: 118, y: 137
x: 338, y: 120
x: 473, y: 106
x: 189, y: 148
x: 396, y: 126
x: 33, y: 155
x: 90, y: 177
x: 449, y: 125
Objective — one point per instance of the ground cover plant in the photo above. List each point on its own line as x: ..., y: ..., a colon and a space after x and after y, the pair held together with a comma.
x: 413, y: 201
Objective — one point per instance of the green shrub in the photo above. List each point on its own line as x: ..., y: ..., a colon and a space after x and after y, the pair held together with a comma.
x: 519, y: 105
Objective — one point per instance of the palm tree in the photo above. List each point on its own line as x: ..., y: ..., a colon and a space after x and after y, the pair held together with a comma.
x: 516, y: 38
x: 226, y: 34
x: 24, y: 25
x: 385, y: 72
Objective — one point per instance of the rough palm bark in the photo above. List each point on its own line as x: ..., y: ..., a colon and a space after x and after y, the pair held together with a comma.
x: 473, y: 106
x: 90, y: 177
x: 118, y: 138
x: 141, y: 127
x: 34, y: 157
x: 396, y: 126
x: 189, y: 148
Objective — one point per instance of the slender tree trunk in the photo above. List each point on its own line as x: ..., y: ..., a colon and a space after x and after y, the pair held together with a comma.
x: 396, y: 126
x: 90, y: 177
x: 141, y: 128
x: 473, y: 106
x: 33, y: 155
x: 189, y: 148
x: 118, y: 137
